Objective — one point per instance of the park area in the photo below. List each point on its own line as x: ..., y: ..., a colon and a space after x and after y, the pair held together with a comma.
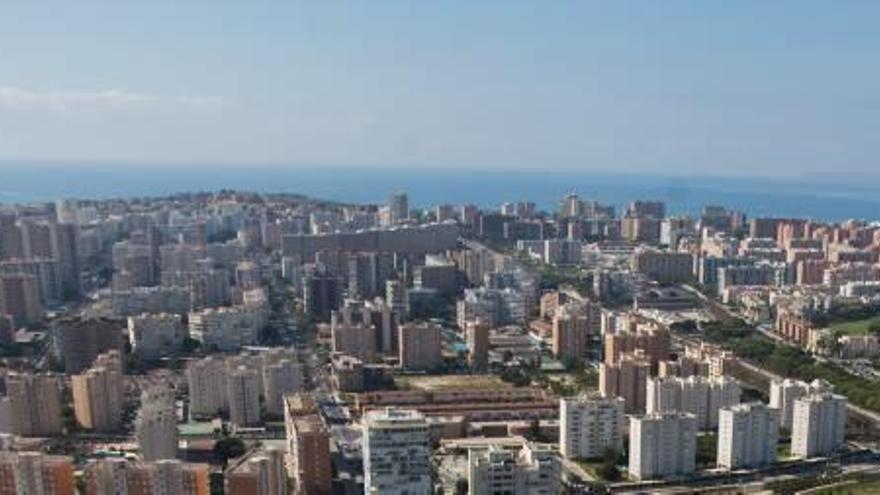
x: 858, y: 327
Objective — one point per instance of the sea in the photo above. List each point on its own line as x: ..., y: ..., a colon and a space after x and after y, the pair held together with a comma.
x: 819, y: 197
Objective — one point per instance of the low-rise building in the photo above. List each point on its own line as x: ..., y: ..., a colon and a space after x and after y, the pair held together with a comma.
x: 534, y: 470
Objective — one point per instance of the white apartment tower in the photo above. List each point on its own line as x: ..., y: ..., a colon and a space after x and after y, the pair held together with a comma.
x: 590, y: 425
x: 783, y: 393
x: 280, y: 377
x: 747, y: 436
x: 98, y: 394
x: 207, y: 387
x: 701, y: 396
x: 662, y: 444
x: 156, y: 424
x: 153, y: 336
x: 243, y: 390
x: 34, y: 404
x: 397, y: 453
x: 818, y: 424
x: 398, y: 207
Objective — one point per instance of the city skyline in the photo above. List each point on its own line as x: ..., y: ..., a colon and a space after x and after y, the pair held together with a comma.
x: 404, y: 248
x: 779, y: 89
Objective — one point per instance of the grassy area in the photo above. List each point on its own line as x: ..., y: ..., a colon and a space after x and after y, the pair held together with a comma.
x: 448, y: 382
x: 855, y: 484
x: 858, y: 327
x: 783, y: 451
x: 592, y: 468
x: 707, y: 450
x: 850, y: 487
x: 602, y: 472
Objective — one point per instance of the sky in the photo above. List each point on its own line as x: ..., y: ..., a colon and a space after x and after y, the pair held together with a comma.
x: 680, y: 87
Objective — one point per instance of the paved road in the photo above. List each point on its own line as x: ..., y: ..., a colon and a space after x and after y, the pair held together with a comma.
x: 861, y: 411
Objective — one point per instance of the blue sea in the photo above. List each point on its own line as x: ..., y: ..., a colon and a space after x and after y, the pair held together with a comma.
x: 820, y: 198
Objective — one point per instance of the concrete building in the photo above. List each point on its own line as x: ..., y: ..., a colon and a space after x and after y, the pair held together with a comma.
x: 156, y: 335
x: 206, y: 378
x: 116, y: 476
x: 107, y: 476
x: 156, y: 424
x: 576, y: 332
x: 747, y: 436
x: 20, y: 298
x: 227, y: 328
x: 78, y: 341
x: 626, y: 379
x: 590, y: 425
x: 420, y: 346
x: 395, y: 297
x: 438, y: 274
x: 646, y: 209
x: 533, y: 470
x: 34, y: 402
x: 33, y: 473
x: 243, y: 391
x: 99, y: 394
x: 651, y: 340
x: 666, y: 267
x: 260, y: 474
x: 783, y: 393
x: 398, y: 207
x: 818, y: 425
x: 357, y: 340
x: 282, y: 375
x: 477, y: 334
x: 662, y: 444
x: 138, y: 300
x: 308, y: 453
x: 701, y: 396
x: 45, y: 269
x: 416, y: 240
x: 397, y: 453
x: 321, y: 294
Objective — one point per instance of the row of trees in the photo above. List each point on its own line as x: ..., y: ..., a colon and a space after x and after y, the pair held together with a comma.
x: 790, y: 361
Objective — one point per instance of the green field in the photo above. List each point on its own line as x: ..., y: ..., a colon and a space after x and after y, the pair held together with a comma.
x: 850, y: 487
x: 858, y: 327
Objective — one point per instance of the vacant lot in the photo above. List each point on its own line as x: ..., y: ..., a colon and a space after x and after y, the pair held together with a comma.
x: 446, y: 382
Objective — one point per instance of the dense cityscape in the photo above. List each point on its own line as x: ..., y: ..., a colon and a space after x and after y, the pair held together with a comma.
x: 247, y: 343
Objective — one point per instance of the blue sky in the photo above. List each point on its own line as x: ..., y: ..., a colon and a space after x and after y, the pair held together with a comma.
x: 744, y: 88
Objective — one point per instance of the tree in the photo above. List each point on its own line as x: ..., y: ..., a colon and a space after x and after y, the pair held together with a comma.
x: 828, y: 344
x: 190, y: 345
x: 608, y: 470
x: 229, y: 448
x: 534, y: 434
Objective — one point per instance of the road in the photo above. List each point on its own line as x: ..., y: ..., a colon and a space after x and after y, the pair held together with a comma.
x: 715, y: 306
x: 861, y: 411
